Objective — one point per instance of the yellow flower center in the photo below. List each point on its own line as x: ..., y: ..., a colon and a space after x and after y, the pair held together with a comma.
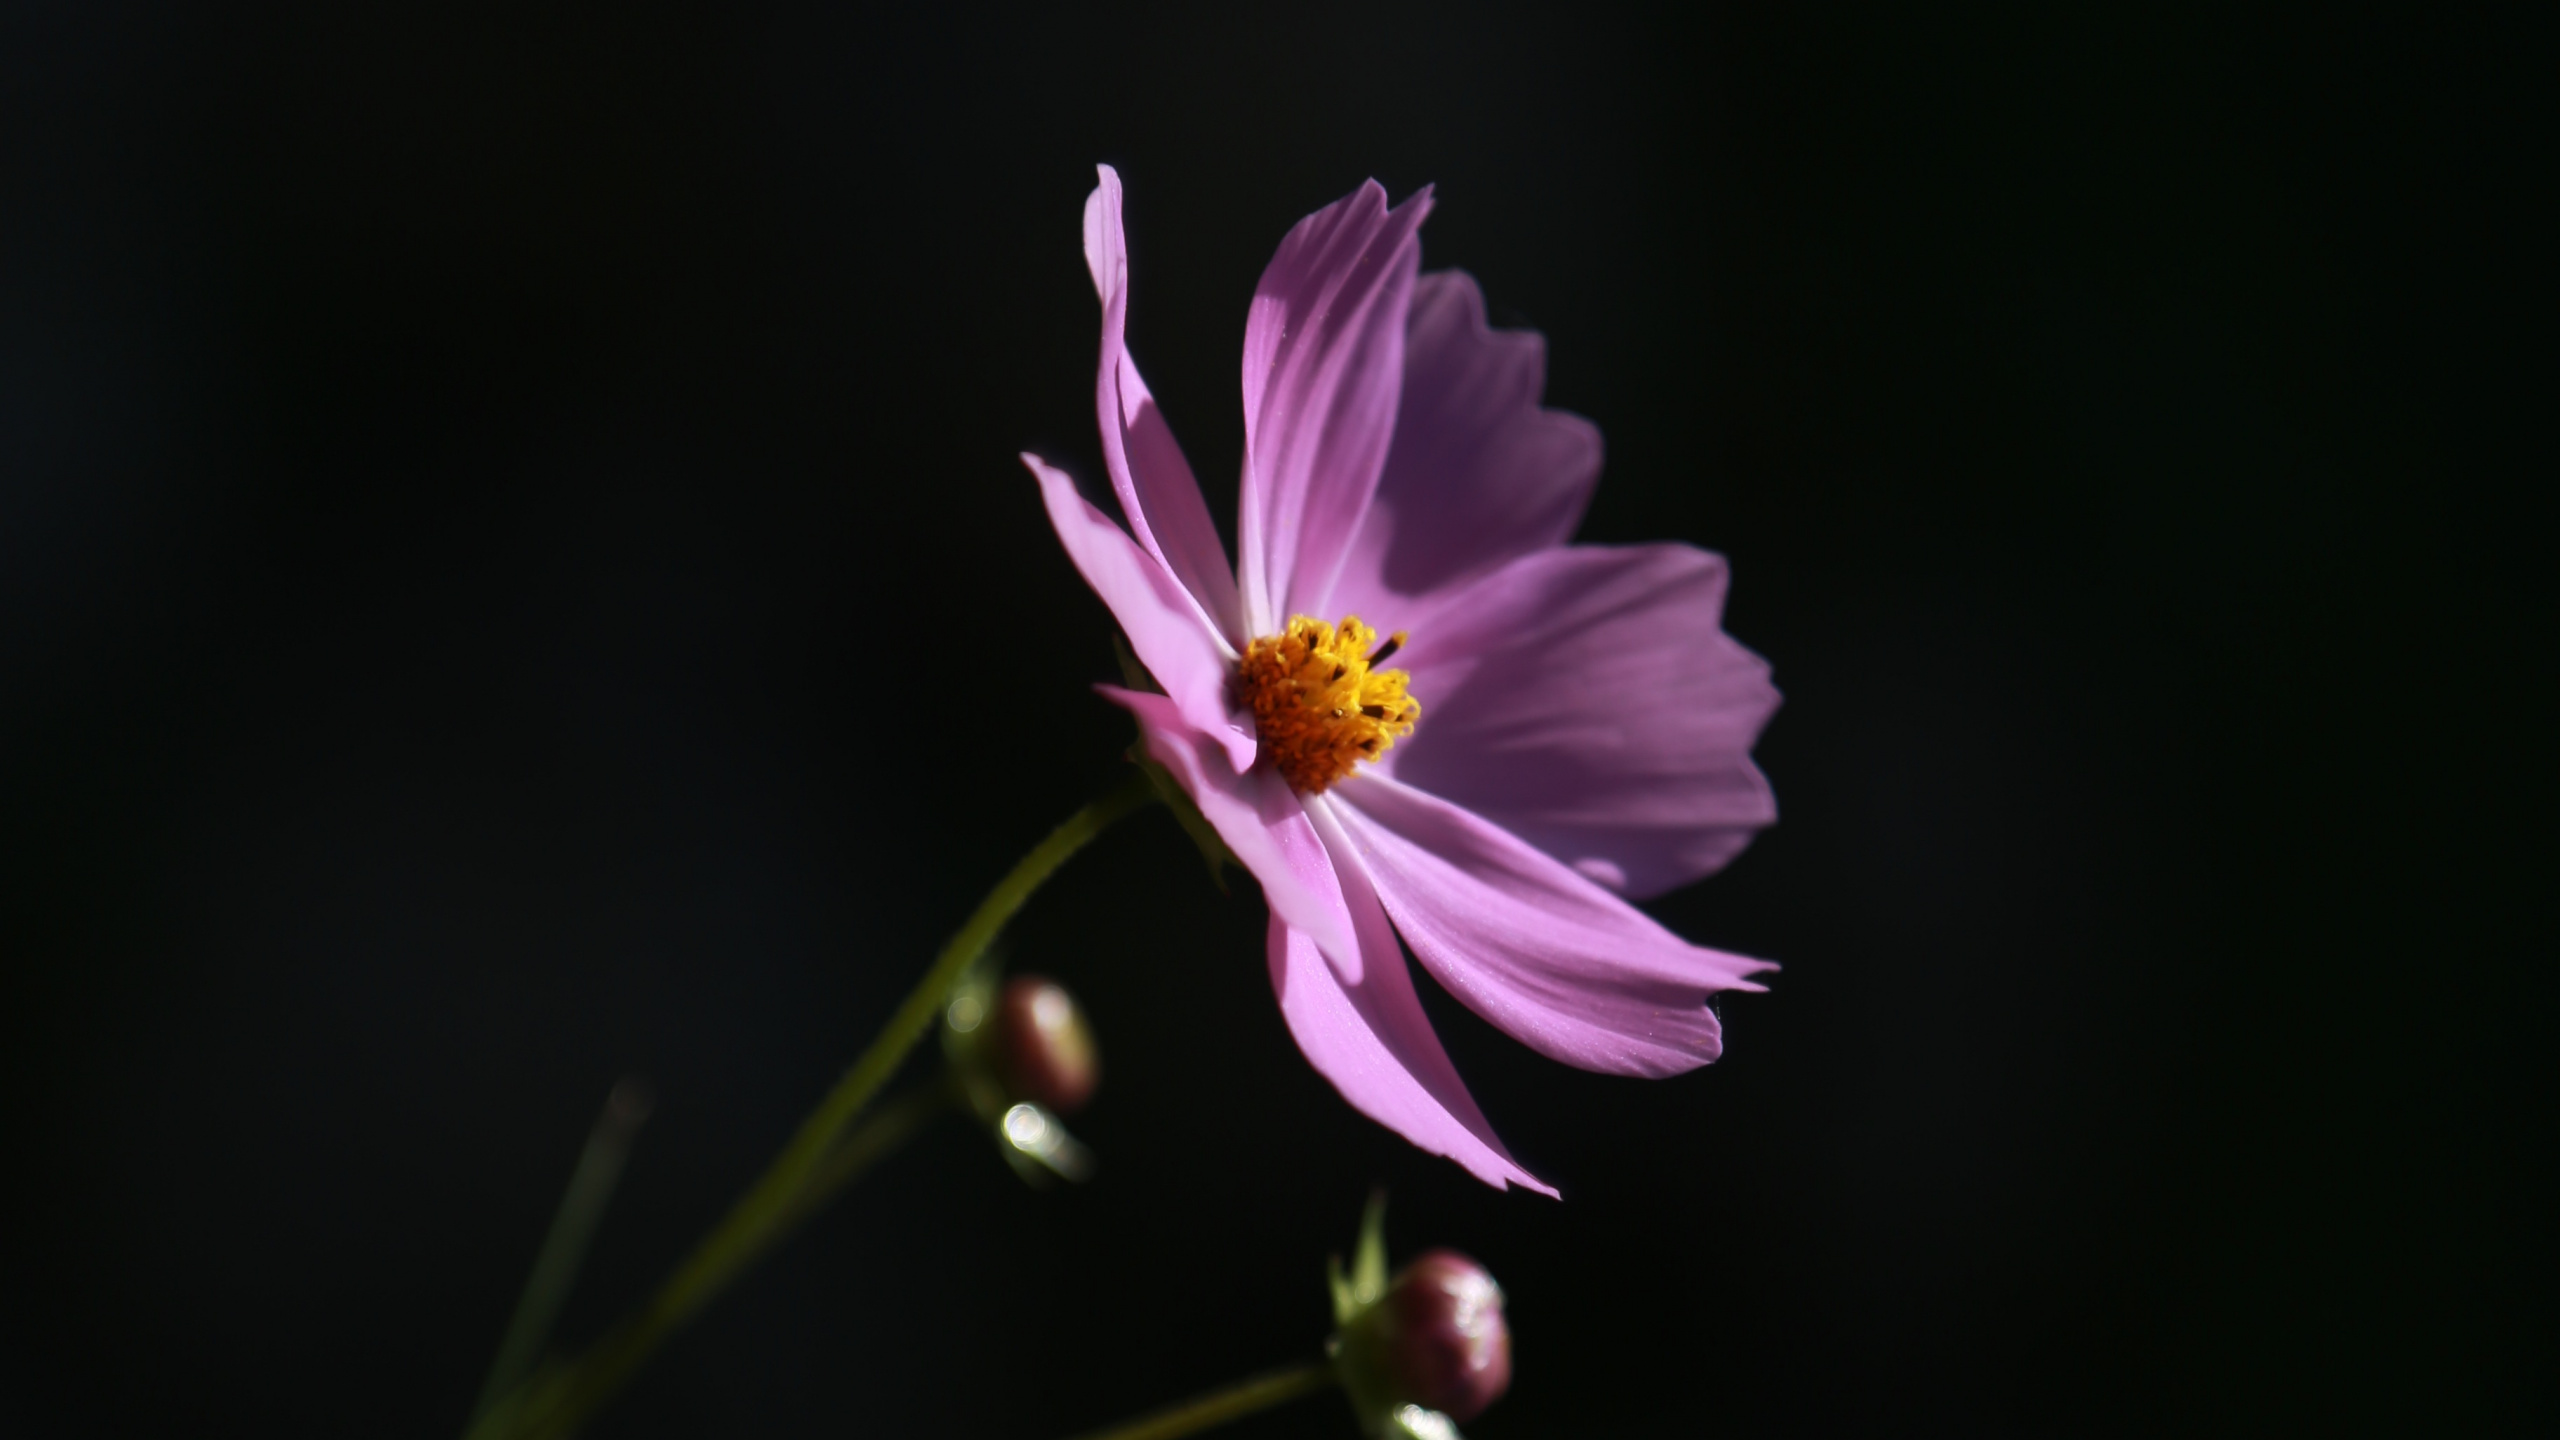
x: 1317, y: 704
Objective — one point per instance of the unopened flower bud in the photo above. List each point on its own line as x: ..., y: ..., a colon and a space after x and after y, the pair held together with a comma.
x: 1041, y: 1047
x: 1436, y: 1340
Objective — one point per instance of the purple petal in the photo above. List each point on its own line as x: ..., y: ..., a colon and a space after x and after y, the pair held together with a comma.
x: 1479, y: 475
x: 1254, y: 812
x: 1361, y: 1025
x: 1155, y: 484
x: 1324, y: 346
x: 1172, y: 638
x: 1567, y: 968
x: 1588, y: 701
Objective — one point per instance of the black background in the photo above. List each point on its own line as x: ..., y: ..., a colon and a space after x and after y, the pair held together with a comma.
x: 512, y: 572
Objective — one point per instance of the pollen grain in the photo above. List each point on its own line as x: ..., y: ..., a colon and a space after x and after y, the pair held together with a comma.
x: 1318, y: 705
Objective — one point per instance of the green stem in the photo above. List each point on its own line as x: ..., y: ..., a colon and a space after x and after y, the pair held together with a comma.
x: 777, y: 1199
x: 1233, y: 1403
x: 555, y: 1266
x: 896, y: 1121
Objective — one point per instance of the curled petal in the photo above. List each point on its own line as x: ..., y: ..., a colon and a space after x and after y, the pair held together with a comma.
x: 1324, y: 348
x: 1532, y: 945
x: 1157, y: 491
x: 1254, y: 812
x: 1479, y: 473
x: 1171, y: 637
x: 1355, y: 1016
x: 1360, y: 1024
x: 1588, y: 701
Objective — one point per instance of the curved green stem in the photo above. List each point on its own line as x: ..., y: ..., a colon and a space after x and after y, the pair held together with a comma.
x: 892, y: 1125
x: 555, y: 1266
x: 777, y: 1199
x: 1233, y: 1403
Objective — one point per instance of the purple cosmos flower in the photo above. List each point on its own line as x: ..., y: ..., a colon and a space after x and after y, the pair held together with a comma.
x: 1565, y: 726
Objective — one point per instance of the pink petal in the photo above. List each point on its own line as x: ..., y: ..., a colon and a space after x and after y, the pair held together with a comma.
x: 1361, y: 1025
x: 1566, y: 967
x: 1172, y: 638
x: 1255, y: 813
x: 1356, y: 1017
x: 1155, y: 484
x: 1323, y: 361
x: 1479, y: 475
x: 1588, y: 701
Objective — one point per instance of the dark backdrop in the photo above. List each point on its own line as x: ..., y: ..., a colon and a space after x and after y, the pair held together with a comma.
x: 513, y: 573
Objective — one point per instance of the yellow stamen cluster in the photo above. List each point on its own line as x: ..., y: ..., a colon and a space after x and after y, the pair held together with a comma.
x: 1317, y: 705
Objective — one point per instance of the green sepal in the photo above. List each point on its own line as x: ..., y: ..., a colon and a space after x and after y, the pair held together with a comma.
x: 1412, y: 1422
x: 1344, y: 1306
x: 1369, y: 1262
x: 1176, y: 799
x: 1213, y: 850
x: 1133, y: 675
x: 1367, y: 1282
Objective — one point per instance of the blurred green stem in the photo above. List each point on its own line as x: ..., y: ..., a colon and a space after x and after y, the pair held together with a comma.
x: 1233, y: 1403
x: 783, y: 1194
x: 555, y: 1266
x: 892, y: 1125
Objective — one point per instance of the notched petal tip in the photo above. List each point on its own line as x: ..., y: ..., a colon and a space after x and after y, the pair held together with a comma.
x: 1535, y: 946
x: 1588, y: 700
x: 1106, y: 251
x: 1366, y: 1034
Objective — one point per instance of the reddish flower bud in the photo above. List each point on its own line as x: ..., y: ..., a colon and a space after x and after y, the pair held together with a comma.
x: 1436, y: 1339
x: 1452, y: 1350
x: 1041, y: 1047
